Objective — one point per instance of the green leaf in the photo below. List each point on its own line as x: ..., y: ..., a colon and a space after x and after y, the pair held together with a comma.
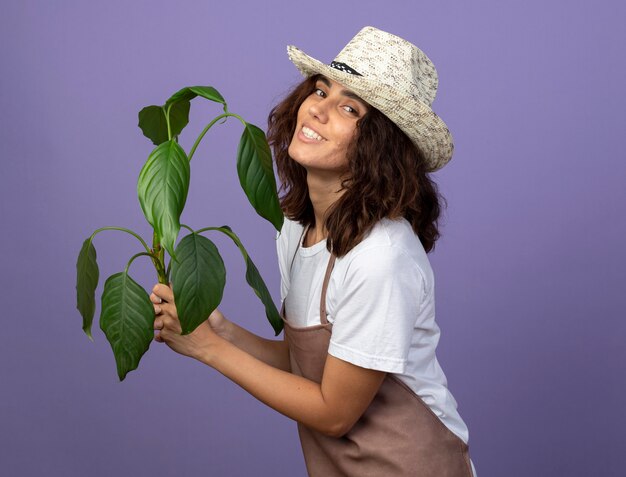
x: 127, y: 320
x: 256, y: 176
x: 152, y: 119
x: 198, y: 279
x: 190, y: 92
x: 253, y: 277
x: 153, y: 123
x: 87, y: 274
x: 162, y: 189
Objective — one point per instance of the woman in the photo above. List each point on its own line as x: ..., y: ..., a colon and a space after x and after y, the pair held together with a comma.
x: 357, y: 370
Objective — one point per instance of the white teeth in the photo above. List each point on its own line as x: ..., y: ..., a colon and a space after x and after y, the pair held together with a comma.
x: 310, y: 133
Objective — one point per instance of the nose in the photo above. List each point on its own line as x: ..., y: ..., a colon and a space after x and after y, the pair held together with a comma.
x: 318, y: 111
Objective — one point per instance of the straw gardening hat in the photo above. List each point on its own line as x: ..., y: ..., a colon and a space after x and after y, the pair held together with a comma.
x: 395, y: 77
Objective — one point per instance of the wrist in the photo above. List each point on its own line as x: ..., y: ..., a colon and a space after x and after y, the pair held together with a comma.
x: 228, y: 330
x: 221, y: 325
x: 210, y: 353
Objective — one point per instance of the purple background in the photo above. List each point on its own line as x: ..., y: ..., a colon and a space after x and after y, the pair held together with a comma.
x: 530, y: 270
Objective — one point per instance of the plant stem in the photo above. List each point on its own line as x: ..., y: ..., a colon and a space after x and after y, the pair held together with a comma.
x: 123, y: 230
x: 219, y: 229
x: 158, y: 258
x: 205, y: 130
x: 157, y: 253
x: 230, y: 233
x: 134, y: 257
x: 167, y: 120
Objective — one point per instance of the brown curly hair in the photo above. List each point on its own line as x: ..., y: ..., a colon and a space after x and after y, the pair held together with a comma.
x: 387, y: 178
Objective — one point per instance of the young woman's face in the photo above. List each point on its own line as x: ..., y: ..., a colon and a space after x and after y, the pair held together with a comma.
x: 325, y: 127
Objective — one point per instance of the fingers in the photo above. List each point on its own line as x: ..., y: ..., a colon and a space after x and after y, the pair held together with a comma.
x: 157, y: 304
x: 158, y: 326
x: 166, y: 322
x: 165, y: 309
x: 163, y: 292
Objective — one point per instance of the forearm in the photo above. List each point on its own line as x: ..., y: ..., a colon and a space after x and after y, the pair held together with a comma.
x: 293, y: 396
x: 331, y: 407
x: 272, y: 352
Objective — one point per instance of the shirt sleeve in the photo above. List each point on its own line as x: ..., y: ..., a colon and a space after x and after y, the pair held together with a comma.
x: 377, y: 305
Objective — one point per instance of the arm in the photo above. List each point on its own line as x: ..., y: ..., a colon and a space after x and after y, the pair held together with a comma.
x: 272, y: 352
x: 331, y: 407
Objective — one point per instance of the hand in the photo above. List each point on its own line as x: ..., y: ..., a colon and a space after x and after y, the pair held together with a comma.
x: 195, y: 344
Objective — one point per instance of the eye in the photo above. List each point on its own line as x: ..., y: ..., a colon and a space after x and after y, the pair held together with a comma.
x: 351, y: 110
x: 319, y: 92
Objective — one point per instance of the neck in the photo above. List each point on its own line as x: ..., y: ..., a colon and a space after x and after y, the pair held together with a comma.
x: 323, y: 192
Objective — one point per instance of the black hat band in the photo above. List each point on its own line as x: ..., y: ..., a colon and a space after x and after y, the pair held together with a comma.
x: 345, y: 68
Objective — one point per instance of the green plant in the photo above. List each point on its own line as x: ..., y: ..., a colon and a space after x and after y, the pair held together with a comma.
x: 195, y: 267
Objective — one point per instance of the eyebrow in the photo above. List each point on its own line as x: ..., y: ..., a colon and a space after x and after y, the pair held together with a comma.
x: 344, y: 92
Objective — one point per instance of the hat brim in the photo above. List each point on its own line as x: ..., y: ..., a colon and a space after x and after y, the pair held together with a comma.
x: 416, y: 119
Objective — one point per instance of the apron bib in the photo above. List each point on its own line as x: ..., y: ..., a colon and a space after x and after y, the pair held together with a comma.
x: 397, y: 436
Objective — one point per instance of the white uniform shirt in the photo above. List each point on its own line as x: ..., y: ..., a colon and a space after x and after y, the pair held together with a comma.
x: 380, y: 299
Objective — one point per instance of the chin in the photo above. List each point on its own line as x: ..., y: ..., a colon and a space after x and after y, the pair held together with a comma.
x: 293, y: 154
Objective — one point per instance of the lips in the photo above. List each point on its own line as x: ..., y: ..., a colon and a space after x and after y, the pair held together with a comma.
x: 311, y: 133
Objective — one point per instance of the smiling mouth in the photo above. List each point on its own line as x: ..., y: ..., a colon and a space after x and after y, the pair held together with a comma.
x: 309, y: 133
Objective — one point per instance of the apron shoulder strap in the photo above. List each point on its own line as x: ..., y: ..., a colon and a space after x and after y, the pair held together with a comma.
x: 329, y: 269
